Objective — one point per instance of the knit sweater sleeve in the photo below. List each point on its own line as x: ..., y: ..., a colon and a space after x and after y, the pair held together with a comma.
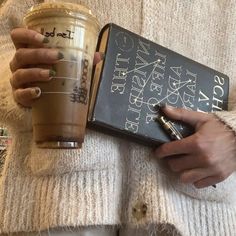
x: 6, y: 52
x: 4, y: 90
x: 228, y: 117
x: 10, y: 112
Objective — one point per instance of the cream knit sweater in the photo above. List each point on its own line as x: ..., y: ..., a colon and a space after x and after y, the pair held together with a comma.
x: 110, y: 179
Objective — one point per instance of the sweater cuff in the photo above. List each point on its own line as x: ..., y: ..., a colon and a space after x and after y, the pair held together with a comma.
x: 228, y: 117
x: 78, y: 199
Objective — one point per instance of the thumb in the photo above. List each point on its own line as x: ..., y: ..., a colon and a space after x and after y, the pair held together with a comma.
x: 98, y: 56
x: 192, y: 118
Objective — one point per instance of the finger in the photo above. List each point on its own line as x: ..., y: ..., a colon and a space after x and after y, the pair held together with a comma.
x: 33, y: 56
x: 25, y: 97
x: 22, y: 77
x: 22, y: 37
x: 182, y: 163
x: 206, y: 182
x: 178, y: 147
x: 194, y: 175
x: 190, y: 117
x: 98, y: 56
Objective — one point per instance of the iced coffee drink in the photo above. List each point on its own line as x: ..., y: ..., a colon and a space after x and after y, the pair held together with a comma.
x: 60, y: 114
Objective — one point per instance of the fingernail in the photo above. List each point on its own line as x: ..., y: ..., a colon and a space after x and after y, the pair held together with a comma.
x: 39, y: 37
x: 45, y: 40
x: 49, y: 74
x: 159, y: 106
x: 52, y: 73
x: 36, y: 92
x: 44, y: 73
x: 167, y: 106
x: 60, y: 55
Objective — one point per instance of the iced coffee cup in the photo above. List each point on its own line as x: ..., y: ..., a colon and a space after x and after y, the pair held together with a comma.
x: 60, y: 114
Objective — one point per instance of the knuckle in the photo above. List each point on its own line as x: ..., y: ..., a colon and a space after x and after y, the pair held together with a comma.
x: 222, y: 175
x: 13, y: 79
x: 13, y: 34
x: 22, y: 97
x: 18, y: 54
x: 19, y: 73
x: 184, y: 178
x: 174, y: 167
x: 11, y: 65
x: 18, y: 77
x: 199, y: 143
x: 17, y: 96
x: 208, y: 160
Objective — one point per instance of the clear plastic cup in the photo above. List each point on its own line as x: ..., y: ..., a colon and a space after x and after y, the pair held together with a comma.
x: 60, y: 114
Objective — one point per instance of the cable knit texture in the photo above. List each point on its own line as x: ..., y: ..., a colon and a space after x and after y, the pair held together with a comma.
x: 104, y: 182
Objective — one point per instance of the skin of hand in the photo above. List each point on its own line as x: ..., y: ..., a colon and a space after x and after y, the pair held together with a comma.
x: 30, y: 53
x: 204, y: 158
